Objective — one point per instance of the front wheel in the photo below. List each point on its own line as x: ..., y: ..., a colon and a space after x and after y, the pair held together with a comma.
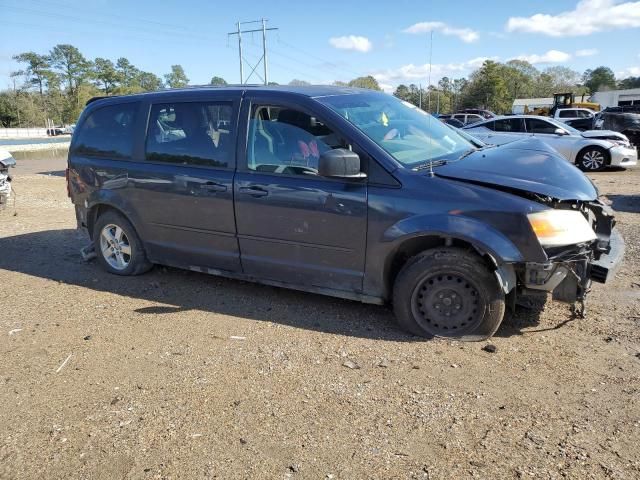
x: 448, y: 292
x: 592, y: 159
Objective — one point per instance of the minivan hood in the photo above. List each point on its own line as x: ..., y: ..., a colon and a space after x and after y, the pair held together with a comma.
x: 527, y: 165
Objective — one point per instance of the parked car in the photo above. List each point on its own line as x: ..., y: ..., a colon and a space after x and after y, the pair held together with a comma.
x: 625, y: 120
x: 339, y: 191
x: 6, y: 162
x: 478, y: 111
x: 579, y: 118
x: 449, y: 120
x: 468, y: 118
x: 592, y: 150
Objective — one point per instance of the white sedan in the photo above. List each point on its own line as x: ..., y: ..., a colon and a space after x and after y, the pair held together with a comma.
x: 590, y: 151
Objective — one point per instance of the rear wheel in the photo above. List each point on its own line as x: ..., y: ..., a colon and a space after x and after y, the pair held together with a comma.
x: 592, y: 159
x: 448, y: 292
x: 117, y: 245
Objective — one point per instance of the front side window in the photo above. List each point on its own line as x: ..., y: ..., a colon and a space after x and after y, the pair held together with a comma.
x: 408, y: 134
x: 288, y: 141
x: 511, y: 125
x: 107, y: 132
x: 191, y: 133
x: 567, y: 114
x: 535, y: 125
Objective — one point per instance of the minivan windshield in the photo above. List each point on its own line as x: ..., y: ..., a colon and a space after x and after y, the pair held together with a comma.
x: 410, y: 135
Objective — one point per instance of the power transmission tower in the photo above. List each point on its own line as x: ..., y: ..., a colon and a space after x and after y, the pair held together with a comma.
x: 262, y: 59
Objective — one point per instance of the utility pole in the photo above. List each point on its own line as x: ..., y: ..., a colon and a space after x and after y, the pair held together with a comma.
x: 263, y: 59
x: 429, y: 86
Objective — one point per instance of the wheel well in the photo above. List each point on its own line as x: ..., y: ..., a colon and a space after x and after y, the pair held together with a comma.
x: 414, y: 246
x: 96, y: 211
x: 607, y: 154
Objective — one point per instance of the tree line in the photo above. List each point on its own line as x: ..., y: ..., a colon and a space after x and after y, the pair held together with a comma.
x: 494, y: 86
x: 56, y: 85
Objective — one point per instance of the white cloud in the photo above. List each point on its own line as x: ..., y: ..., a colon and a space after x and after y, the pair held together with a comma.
x: 465, y: 34
x: 628, y: 72
x: 420, y: 73
x: 587, y: 52
x: 552, y: 56
x: 352, y: 42
x: 589, y: 16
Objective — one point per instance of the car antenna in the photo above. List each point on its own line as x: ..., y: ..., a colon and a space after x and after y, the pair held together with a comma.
x: 429, y: 103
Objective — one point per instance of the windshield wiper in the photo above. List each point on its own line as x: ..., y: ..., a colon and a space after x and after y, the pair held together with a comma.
x: 469, y: 152
x: 432, y: 163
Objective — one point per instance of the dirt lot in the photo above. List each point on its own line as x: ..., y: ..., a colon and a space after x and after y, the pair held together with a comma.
x: 181, y: 375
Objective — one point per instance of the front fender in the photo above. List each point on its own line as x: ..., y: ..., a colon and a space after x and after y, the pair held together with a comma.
x: 483, y: 236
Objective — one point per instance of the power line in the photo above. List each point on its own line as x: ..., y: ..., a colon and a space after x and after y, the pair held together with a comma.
x: 137, y: 20
x: 93, y: 21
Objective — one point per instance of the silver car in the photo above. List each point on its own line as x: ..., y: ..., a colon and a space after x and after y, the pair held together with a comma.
x: 590, y: 151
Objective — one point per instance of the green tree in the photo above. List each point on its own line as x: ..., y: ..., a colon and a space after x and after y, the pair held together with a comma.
x: 105, y: 74
x: 70, y: 65
x: 37, y: 68
x: 563, y: 79
x: 601, y: 78
x: 177, y: 78
x: 148, y: 82
x: 365, y: 82
x: 298, y: 83
x: 630, y: 82
x: 218, y: 81
x: 488, y: 88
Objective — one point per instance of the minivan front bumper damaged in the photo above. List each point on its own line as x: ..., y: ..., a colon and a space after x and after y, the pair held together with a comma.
x: 570, y: 271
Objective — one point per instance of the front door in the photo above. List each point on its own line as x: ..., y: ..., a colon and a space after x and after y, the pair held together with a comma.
x: 546, y: 131
x: 293, y: 225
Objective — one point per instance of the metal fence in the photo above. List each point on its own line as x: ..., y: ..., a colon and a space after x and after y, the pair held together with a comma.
x: 23, y: 132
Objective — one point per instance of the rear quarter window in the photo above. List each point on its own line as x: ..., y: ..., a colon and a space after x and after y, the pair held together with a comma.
x: 107, y: 132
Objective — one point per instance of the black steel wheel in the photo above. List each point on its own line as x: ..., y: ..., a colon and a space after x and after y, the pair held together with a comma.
x: 448, y: 292
x: 447, y: 303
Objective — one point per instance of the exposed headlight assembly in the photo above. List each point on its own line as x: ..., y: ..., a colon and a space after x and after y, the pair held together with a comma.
x: 556, y: 228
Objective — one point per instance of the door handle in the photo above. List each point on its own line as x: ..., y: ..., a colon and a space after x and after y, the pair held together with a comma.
x: 214, y: 187
x: 254, y: 191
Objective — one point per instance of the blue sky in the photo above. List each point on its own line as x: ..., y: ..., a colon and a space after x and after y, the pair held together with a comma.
x: 333, y: 40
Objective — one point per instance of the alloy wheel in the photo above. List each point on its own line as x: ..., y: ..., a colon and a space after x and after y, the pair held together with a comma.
x: 593, y: 160
x: 115, y: 247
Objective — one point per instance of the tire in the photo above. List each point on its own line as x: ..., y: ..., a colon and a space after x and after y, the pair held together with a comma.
x: 117, y: 245
x: 592, y: 159
x: 448, y: 292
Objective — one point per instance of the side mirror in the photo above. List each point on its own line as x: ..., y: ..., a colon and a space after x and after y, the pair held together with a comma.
x: 560, y: 131
x: 340, y: 163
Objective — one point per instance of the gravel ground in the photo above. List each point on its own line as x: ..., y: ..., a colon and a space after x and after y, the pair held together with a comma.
x: 181, y: 375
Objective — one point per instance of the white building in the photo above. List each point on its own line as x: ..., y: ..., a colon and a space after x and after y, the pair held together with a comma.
x: 617, y: 98
x: 524, y: 105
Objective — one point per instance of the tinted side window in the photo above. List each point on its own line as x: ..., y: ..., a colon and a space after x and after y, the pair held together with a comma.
x: 473, y: 118
x: 107, y: 132
x: 191, y: 133
x: 287, y: 141
x: 535, y: 125
x: 567, y: 114
x: 513, y: 125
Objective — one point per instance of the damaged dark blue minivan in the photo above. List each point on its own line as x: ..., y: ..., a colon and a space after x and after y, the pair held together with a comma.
x: 339, y: 191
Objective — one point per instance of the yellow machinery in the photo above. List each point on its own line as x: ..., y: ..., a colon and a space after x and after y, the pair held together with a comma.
x: 562, y: 100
